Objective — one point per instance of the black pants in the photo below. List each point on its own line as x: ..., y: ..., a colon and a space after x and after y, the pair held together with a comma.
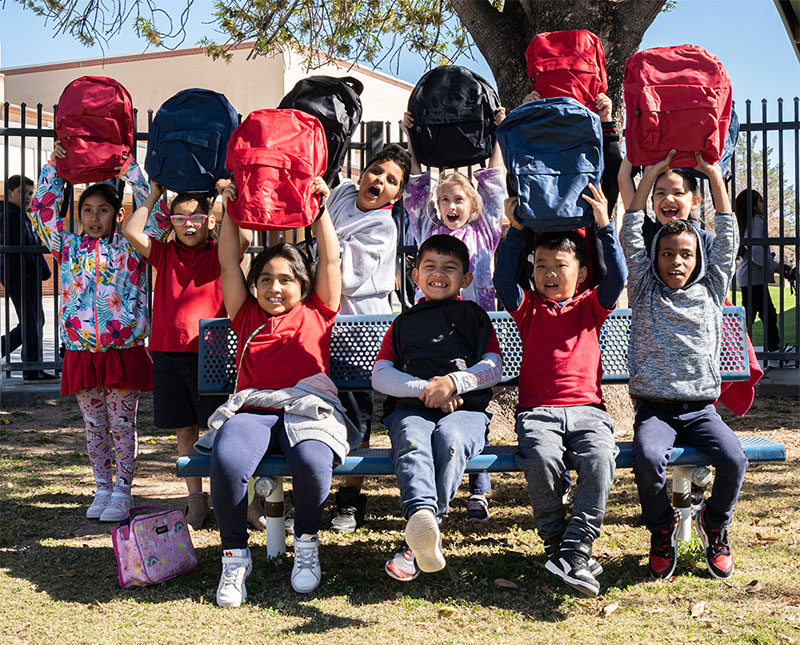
x: 27, y: 300
x: 754, y: 304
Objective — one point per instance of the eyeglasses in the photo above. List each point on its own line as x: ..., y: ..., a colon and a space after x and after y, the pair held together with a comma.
x: 195, y: 218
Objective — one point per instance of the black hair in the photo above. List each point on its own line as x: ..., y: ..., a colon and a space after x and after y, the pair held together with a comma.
x: 689, y: 180
x: 301, y: 266
x: 203, y: 203
x: 677, y: 227
x: 562, y: 241
x: 746, y: 201
x: 15, y: 181
x: 446, y: 245
x: 396, y: 153
x: 109, y: 194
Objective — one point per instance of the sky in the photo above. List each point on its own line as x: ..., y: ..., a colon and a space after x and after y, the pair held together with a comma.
x: 747, y: 35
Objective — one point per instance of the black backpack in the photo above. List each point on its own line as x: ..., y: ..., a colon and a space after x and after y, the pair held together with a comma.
x: 336, y: 103
x: 188, y: 140
x: 453, y: 110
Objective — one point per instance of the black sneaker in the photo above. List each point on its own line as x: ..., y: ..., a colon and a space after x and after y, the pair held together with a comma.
x: 572, y: 566
x: 719, y: 559
x: 664, y: 550
x: 477, y: 509
x: 350, y: 510
x: 551, y: 548
x: 39, y: 376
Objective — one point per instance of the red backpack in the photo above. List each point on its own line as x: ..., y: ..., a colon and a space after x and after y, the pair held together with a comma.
x: 274, y: 156
x: 567, y: 63
x: 94, y: 122
x: 676, y: 98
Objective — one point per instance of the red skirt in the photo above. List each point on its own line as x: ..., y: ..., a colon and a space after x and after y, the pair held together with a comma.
x: 116, y: 369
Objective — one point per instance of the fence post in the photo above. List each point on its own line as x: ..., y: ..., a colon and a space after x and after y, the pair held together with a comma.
x: 374, y: 139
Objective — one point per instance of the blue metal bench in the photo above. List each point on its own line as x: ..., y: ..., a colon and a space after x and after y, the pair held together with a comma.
x: 354, y: 344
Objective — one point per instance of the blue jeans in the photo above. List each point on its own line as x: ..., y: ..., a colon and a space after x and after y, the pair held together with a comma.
x: 238, y: 449
x: 656, y: 429
x: 552, y: 440
x: 429, y: 453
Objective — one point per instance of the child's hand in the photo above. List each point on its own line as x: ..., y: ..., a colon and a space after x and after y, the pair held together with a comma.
x: 532, y: 96
x: 156, y: 189
x: 452, y: 404
x: 437, y: 391
x: 708, y: 169
x: 59, y: 151
x: 654, y: 170
x: 604, y: 107
x: 319, y: 187
x: 407, y: 123
x: 229, y: 191
x: 499, y: 115
x: 509, y: 205
x: 599, y: 205
x: 221, y: 185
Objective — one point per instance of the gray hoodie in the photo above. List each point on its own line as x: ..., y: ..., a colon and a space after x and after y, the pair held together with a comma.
x: 675, y: 334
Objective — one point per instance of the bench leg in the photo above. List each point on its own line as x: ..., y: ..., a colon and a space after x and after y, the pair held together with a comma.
x: 271, y: 489
x: 682, y: 499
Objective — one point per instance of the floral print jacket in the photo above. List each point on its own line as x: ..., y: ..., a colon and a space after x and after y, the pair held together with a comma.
x: 481, y: 236
x: 103, y: 303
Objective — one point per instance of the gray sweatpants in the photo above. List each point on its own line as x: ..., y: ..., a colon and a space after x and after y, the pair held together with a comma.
x: 552, y: 440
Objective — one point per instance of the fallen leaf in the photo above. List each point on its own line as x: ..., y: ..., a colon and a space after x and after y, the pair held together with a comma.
x: 765, y: 538
x: 95, y: 607
x: 153, y: 441
x: 698, y: 609
x: 445, y: 612
x: 757, y: 521
x: 172, y: 437
x: 781, y: 519
x: 507, y: 584
x: 609, y: 609
x: 72, y: 573
x: 753, y: 586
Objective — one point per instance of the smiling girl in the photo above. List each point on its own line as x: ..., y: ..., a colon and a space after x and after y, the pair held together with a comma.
x: 104, y: 324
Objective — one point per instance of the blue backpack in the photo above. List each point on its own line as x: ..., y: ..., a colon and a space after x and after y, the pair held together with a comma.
x: 188, y: 141
x: 552, y: 149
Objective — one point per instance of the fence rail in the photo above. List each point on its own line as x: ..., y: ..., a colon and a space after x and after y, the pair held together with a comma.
x: 767, y: 148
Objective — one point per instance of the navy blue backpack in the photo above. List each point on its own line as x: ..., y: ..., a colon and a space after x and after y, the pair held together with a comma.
x: 188, y: 141
x: 552, y: 149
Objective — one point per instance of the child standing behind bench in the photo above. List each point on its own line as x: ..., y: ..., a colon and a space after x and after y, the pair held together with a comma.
x: 439, y: 361
x: 561, y: 419
x: 676, y: 301
x: 362, y: 217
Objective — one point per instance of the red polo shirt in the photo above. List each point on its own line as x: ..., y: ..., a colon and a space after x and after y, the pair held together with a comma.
x: 287, y: 349
x: 560, y: 350
x: 187, y: 289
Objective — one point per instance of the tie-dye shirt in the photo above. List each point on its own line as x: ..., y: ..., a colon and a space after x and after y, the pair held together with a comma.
x: 481, y: 236
x: 103, y: 298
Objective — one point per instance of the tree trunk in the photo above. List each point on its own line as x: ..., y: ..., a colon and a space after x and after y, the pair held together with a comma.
x: 503, y: 36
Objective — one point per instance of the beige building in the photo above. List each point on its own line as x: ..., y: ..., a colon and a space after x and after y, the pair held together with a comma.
x: 153, y: 77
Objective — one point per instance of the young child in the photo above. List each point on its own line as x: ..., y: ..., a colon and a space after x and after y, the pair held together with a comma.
x: 187, y: 289
x: 104, y: 325
x: 676, y: 295
x: 362, y: 216
x: 438, y: 361
x: 454, y: 207
x: 561, y: 419
x: 283, y: 359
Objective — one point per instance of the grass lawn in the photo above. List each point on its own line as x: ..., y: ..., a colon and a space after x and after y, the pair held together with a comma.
x: 789, y: 317
x: 58, y: 576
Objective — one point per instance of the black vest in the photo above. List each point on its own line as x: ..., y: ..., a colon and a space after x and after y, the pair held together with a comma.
x: 437, y: 337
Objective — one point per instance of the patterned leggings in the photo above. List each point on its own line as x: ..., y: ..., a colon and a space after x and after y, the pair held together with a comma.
x: 109, y: 412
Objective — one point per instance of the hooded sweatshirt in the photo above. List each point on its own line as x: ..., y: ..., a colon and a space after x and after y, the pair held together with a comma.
x: 675, y: 334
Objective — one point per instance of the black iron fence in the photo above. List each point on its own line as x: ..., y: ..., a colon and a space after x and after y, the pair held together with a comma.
x: 767, y: 159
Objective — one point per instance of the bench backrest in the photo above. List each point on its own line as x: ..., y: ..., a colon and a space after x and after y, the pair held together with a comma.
x: 355, y: 341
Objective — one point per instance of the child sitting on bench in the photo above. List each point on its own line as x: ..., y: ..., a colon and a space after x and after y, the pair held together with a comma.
x: 438, y: 362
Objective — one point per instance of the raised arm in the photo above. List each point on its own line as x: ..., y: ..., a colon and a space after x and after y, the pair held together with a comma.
x: 625, y: 181
x: 508, y: 258
x: 496, y: 160
x: 134, y: 228
x: 328, y: 281
x: 649, y: 176
x: 234, y: 286
x: 610, y: 287
x: 405, y: 125
x: 46, y: 204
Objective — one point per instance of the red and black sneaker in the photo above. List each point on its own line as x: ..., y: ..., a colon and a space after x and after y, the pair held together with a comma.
x: 719, y: 559
x: 664, y: 550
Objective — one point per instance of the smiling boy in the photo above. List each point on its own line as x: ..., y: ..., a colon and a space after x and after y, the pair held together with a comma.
x: 561, y: 420
x: 438, y: 362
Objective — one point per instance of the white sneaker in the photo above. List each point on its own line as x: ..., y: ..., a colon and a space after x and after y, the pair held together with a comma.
x: 118, y: 506
x: 236, y: 566
x: 98, y: 504
x: 424, y: 539
x: 306, y: 572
